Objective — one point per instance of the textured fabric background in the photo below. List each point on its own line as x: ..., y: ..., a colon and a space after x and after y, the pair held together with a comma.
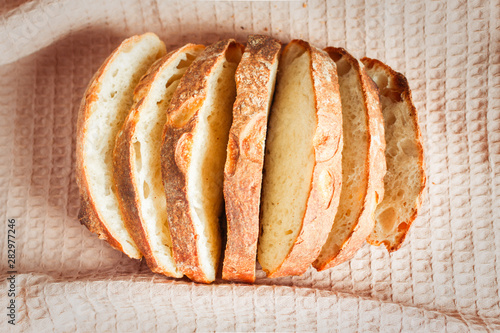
x: 445, y: 277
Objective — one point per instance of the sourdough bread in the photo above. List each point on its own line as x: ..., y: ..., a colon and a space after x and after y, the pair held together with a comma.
x: 255, y: 78
x: 193, y: 154
x: 405, y: 180
x: 103, y: 110
x: 137, y: 162
x: 302, y: 178
x: 363, y: 162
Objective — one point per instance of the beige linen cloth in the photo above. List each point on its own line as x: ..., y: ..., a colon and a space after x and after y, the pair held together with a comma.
x: 445, y: 277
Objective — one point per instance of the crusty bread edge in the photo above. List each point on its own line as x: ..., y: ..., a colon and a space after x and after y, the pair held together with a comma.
x: 88, y: 214
x: 124, y: 166
x: 326, y: 180
x: 176, y: 156
x: 243, y: 168
x: 375, y: 167
x: 402, y: 83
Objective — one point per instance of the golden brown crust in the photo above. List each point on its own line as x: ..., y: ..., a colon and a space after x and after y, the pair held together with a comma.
x: 245, y: 156
x: 88, y: 214
x: 401, y: 87
x: 326, y: 183
x: 375, y: 167
x: 124, y: 166
x: 183, y: 118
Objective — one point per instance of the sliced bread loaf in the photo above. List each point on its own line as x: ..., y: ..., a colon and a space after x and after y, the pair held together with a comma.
x: 193, y: 154
x: 137, y: 165
x: 363, y: 162
x: 255, y: 78
x: 104, y: 108
x: 405, y: 179
x: 302, y: 165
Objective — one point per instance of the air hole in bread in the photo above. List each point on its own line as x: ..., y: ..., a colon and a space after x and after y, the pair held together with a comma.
x: 115, y: 72
x: 400, y: 193
x: 402, y: 226
x: 368, y: 65
x: 387, y: 219
x: 336, y: 56
x: 391, y: 151
x: 408, y: 148
x: 113, y: 94
x: 183, y: 64
x: 190, y: 56
x: 138, y: 157
x: 295, y: 51
x: 181, y: 117
x: 390, y: 119
x: 343, y: 67
x: 393, y: 95
x: 173, y: 79
x: 288, y: 232
x: 381, y: 82
x: 377, y: 197
x: 108, y: 158
x: 233, y: 54
x: 145, y: 190
x: 159, y: 102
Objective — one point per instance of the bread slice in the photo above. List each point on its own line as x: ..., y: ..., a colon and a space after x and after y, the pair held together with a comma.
x: 405, y: 180
x: 193, y: 154
x: 104, y: 108
x: 255, y: 78
x: 302, y: 177
x: 137, y: 162
x: 363, y: 162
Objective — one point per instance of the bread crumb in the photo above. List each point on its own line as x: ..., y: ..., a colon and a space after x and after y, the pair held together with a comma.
x: 304, y: 5
x: 265, y: 29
